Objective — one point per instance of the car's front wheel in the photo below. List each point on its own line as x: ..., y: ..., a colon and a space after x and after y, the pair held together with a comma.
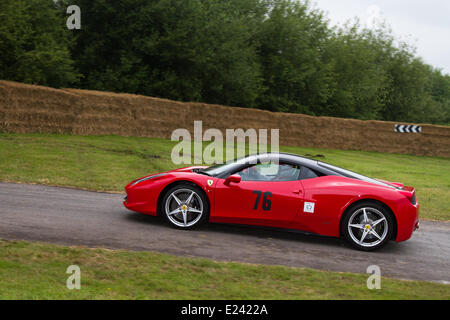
x: 185, y: 206
x: 367, y: 226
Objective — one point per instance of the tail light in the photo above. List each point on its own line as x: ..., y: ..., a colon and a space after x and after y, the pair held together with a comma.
x: 410, y: 193
x: 413, y: 199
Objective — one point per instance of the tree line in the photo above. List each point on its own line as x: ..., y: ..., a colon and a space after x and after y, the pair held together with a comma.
x: 278, y: 55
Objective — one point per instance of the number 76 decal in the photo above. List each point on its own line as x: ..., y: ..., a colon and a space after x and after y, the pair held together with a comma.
x: 266, y: 203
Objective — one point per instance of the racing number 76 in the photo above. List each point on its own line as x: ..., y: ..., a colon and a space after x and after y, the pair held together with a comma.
x: 266, y: 203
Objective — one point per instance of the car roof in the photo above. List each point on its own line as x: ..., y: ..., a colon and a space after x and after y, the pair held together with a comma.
x: 289, y: 158
x: 284, y: 157
x: 319, y: 167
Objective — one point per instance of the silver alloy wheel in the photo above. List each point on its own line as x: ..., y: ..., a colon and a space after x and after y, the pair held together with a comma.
x: 368, y: 227
x: 184, y: 208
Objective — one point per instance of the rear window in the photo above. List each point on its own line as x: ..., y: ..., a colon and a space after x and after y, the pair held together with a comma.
x: 307, y: 173
x: 354, y: 175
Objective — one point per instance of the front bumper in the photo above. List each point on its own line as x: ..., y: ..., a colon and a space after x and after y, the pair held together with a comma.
x: 145, y: 207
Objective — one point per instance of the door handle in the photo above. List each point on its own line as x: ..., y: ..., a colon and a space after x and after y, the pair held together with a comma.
x: 298, y: 191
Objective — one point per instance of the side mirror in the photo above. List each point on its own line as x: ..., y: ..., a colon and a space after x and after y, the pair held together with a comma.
x: 233, y: 178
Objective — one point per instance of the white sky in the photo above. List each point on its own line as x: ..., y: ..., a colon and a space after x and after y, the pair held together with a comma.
x: 423, y: 23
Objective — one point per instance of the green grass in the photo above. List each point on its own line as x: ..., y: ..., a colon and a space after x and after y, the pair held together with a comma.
x: 108, y: 163
x: 38, y: 271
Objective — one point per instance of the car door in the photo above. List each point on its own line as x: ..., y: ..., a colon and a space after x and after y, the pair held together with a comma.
x: 268, y: 195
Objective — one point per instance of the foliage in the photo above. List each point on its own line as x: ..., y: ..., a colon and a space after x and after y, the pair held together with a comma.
x: 279, y: 55
x: 34, y: 48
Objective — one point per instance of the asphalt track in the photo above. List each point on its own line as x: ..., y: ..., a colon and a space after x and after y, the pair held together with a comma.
x: 76, y: 217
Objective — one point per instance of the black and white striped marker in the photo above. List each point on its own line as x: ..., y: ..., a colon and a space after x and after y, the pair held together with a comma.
x: 408, y: 128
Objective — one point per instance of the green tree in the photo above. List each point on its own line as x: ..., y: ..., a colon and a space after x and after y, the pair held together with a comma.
x: 34, y: 44
x: 180, y: 49
x: 360, y: 78
x: 292, y: 42
x: 440, y: 93
x: 279, y: 55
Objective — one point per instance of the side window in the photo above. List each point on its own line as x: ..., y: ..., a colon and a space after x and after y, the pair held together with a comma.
x: 308, y: 174
x: 270, y: 172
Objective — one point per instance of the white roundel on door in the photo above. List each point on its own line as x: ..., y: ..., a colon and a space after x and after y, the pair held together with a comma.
x: 309, y: 207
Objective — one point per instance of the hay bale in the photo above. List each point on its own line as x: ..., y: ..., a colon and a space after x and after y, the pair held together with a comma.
x: 28, y: 108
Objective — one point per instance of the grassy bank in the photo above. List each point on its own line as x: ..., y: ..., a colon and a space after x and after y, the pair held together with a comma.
x: 107, y: 163
x: 38, y: 271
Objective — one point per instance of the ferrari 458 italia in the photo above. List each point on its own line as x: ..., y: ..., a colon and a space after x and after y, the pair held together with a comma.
x: 281, y: 191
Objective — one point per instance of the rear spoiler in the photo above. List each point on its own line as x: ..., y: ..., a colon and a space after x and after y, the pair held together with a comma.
x: 408, y: 192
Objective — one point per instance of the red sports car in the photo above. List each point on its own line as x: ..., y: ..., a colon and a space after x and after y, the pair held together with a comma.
x: 282, y: 191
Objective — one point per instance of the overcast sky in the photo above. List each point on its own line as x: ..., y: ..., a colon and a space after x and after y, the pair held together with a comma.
x: 424, y: 23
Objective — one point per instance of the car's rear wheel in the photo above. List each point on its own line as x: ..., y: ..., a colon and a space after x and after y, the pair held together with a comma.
x: 185, y: 206
x: 367, y: 226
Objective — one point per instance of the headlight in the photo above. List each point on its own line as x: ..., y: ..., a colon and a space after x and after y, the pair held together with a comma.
x: 148, y: 178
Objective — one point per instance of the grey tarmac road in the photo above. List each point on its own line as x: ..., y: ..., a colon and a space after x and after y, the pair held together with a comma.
x: 76, y: 217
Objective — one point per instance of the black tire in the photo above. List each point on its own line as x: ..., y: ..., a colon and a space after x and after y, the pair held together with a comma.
x: 198, y: 202
x: 371, y: 235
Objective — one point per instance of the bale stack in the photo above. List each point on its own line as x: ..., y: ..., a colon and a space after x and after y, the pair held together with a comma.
x: 29, y: 108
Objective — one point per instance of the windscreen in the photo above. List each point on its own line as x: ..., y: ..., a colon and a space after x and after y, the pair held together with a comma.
x: 230, y: 166
x: 218, y: 169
